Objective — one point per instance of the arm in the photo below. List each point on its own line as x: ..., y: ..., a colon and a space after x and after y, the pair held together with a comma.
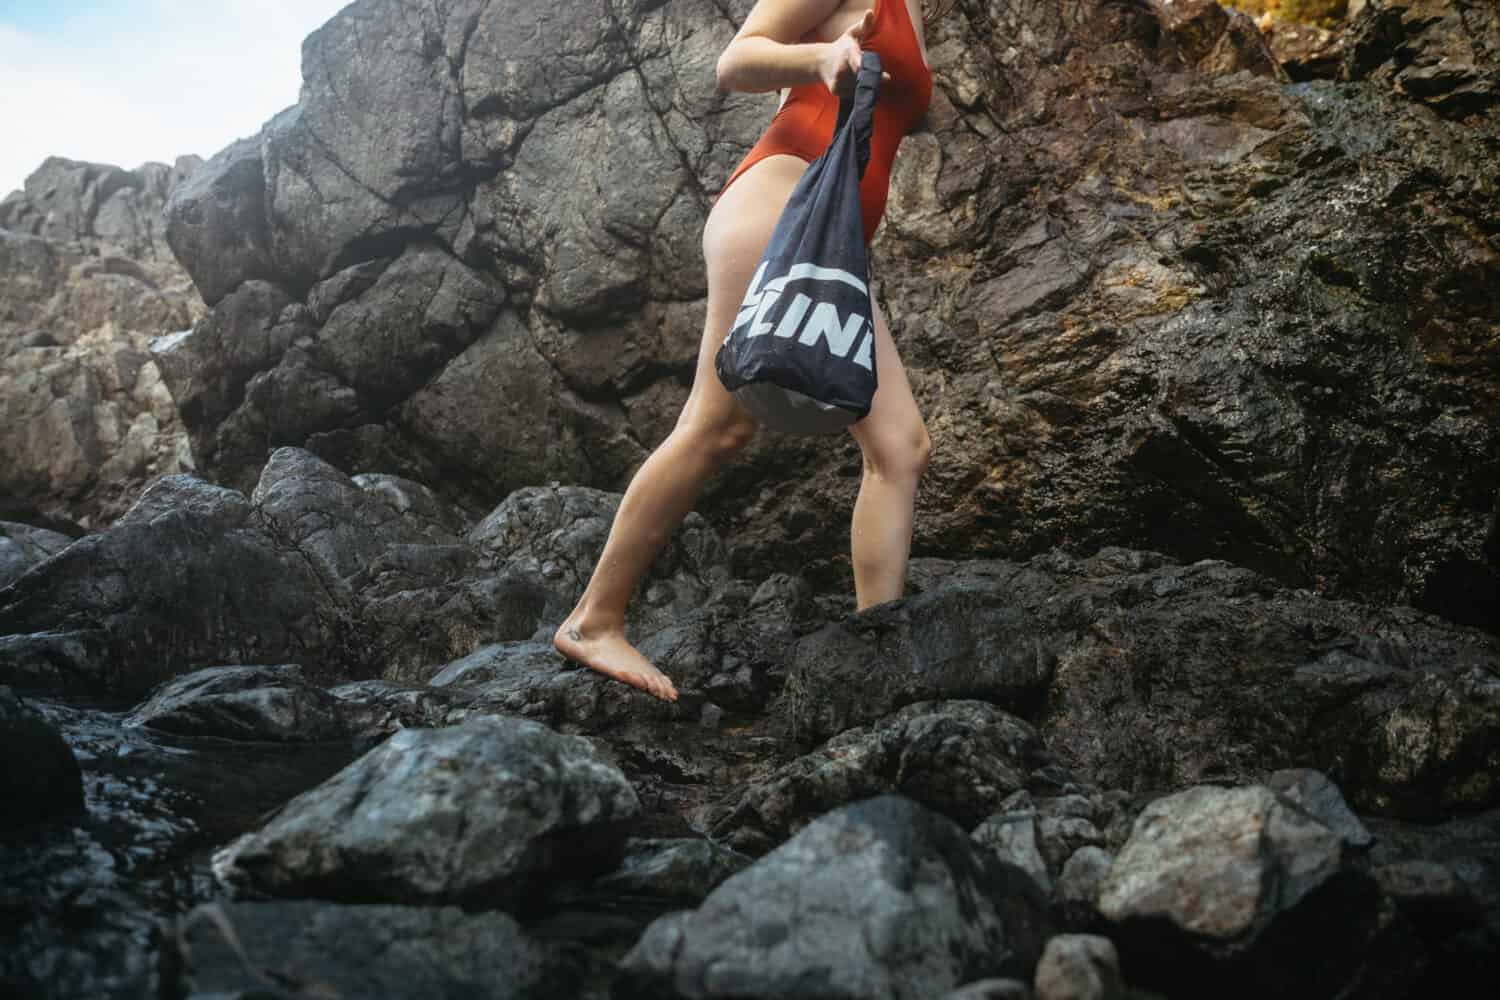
x: 766, y: 55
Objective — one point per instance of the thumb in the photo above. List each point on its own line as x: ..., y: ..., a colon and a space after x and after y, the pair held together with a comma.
x: 862, y: 27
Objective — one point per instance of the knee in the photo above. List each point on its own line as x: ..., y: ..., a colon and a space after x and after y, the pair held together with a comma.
x: 901, y: 457
x: 721, y: 440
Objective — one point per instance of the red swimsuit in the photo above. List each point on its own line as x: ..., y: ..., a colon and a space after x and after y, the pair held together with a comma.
x: 804, y: 124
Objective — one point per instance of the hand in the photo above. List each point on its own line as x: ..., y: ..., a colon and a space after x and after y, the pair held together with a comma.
x: 839, y: 67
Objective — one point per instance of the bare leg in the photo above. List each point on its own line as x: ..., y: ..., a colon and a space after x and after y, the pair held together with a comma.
x: 712, y: 428
x: 895, y: 445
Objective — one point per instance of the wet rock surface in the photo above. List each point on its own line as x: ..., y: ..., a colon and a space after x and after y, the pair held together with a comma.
x: 244, y: 702
x: 39, y: 775
x: 283, y: 949
x: 477, y: 814
x: 879, y: 899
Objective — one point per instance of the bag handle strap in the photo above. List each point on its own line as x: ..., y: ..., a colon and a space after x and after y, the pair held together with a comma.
x: 858, y: 111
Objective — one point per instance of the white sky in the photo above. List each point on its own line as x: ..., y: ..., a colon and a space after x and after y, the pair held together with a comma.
x: 127, y: 83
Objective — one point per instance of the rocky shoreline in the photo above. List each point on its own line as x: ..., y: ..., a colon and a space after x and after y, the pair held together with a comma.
x: 1124, y: 760
x: 1196, y: 687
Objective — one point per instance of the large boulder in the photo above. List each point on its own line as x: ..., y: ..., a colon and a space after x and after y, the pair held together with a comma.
x: 482, y: 814
x: 880, y: 900
x: 1239, y: 892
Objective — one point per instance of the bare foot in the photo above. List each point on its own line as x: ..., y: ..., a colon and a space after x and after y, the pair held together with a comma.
x: 609, y: 654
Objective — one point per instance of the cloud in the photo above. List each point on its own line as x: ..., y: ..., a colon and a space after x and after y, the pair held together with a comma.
x: 148, y: 81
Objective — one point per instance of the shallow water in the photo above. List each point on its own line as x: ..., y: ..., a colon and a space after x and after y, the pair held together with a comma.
x: 80, y: 903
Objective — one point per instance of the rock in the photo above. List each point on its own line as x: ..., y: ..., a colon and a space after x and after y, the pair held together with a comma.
x: 880, y: 899
x: 182, y: 580
x: 482, y: 814
x: 555, y: 535
x: 1059, y: 837
x: 1077, y: 893
x: 1409, y: 763
x: 1437, y: 902
x: 216, y: 222
x: 411, y: 592
x: 966, y: 639
x: 1315, y: 793
x: 244, y: 703
x: 991, y: 989
x: 961, y: 758
x: 1233, y: 890
x: 1011, y: 837
x: 376, y: 708
x: 1192, y: 294
x: 1435, y: 53
x: 40, y: 780
x: 1306, y: 51
x: 1445, y: 878
x: 23, y: 546
x: 1079, y: 967
x: 681, y: 870
x: 88, y: 281
x: 286, y: 948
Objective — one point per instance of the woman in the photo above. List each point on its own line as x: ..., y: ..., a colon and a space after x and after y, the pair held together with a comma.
x: 811, y: 49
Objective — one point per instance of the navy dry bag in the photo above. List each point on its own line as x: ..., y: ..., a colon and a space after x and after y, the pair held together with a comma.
x: 801, y: 353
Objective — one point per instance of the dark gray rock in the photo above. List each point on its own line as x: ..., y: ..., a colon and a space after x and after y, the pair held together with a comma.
x: 881, y: 899
x: 1442, y: 55
x: 244, y: 703
x: 40, y: 779
x: 961, y: 758
x: 968, y: 639
x: 555, y: 534
x: 1437, y: 901
x: 208, y: 367
x: 376, y: 708
x: 184, y: 579
x: 408, y: 593
x: 1076, y: 897
x: 481, y: 813
x: 216, y: 222
x: 1445, y: 878
x: 681, y: 869
x: 287, y: 949
x: 1011, y: 837
x: 23, y: 546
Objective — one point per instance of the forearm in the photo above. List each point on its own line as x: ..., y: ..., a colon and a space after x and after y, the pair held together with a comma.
x: 759, y: 64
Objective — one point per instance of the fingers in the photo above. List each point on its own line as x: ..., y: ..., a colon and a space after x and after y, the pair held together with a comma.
x: 862, y: 27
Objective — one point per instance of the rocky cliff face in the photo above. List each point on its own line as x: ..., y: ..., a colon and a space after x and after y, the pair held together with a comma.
x: 86, y: 281
x: 1149, y: 292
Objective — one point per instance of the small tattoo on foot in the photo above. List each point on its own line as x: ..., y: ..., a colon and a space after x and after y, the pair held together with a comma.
x: 575, y: 635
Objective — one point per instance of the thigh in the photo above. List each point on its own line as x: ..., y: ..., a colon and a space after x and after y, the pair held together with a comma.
x: 894, y: 424
x: 734, y: 237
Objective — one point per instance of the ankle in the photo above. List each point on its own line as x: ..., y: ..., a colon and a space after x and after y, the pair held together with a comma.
x: 584, y: 624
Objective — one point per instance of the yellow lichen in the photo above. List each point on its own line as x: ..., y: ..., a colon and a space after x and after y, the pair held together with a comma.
x: 1323, y: 13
